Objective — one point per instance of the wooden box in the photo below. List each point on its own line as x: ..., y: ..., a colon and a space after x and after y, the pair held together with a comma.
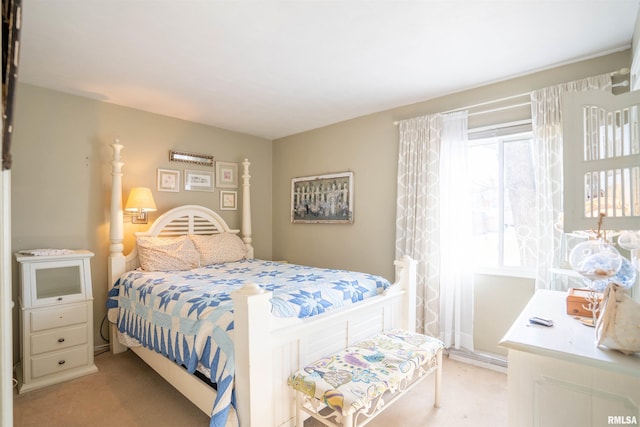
x: 577, y: 300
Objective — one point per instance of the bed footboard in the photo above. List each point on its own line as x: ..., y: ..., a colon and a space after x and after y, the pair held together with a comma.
x: 269, y: 349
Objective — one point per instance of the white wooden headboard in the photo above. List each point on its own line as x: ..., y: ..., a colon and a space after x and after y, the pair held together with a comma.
x: 183, y: 220
x: 188, y: 219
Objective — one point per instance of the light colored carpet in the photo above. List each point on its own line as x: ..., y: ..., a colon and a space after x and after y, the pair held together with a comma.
x: 126, y: 392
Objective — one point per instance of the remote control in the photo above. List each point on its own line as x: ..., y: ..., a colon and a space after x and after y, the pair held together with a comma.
x: 540, y: 321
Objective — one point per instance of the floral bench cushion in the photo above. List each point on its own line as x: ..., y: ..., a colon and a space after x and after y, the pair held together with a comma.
x: 349, y: 380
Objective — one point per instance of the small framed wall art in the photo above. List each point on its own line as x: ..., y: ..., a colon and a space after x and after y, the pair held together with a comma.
x: 195, y: 180
x: 226, y: 175
x: 168, y: 180
x: 322, y: 199
x: 228, y: 200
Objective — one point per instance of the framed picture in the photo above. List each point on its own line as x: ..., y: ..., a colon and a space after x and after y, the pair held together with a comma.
x: 226, y: 175
x: 168, y: 180
x: 322, y: 199
x: 228, y: 200
x: 198, y: 180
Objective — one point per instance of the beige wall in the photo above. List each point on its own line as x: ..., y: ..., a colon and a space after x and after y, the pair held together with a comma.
x: 364, y: 146
x: 61, y: 180
x: 368, y: 146
x: 498, y: 300
x: 61, y: 175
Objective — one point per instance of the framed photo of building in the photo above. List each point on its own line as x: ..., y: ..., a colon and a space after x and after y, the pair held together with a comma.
x: 322, y: 199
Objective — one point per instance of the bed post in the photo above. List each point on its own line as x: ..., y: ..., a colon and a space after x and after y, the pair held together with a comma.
x: 116, y: 265
x: 406, y: 278
x: 253, y: 356
x: 246, y: 207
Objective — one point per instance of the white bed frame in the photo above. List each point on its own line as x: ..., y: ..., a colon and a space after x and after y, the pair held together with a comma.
x: 267, y: 349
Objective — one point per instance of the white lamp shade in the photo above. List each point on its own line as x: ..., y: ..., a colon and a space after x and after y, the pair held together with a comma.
x: 140, y: 200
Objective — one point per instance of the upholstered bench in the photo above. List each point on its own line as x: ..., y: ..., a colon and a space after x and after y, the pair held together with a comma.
x: 366, y: 378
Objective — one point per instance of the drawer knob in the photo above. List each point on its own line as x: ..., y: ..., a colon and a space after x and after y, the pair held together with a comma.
x: 59, y: 298
x: 61, y: 362
x: 60, y: 339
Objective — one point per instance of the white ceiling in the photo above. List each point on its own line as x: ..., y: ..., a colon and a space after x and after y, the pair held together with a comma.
x: 276, y: 68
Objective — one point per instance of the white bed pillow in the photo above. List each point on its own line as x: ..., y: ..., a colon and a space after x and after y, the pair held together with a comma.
x: 167, y: 253
x: 219, y: 248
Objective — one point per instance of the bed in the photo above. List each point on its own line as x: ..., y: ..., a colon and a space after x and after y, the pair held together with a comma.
x: 259, y: 331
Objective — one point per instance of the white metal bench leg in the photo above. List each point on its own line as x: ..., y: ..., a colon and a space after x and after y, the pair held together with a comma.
x: 348, y: 421
x: 299, y: 411
x: 438, y: 378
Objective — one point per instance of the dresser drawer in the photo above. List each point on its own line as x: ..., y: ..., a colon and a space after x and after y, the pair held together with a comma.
x: 56, y: 317
x: 58, y: 339
x: 59, y: 361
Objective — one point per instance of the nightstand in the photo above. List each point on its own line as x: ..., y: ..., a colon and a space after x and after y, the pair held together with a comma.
x: 56, y: 322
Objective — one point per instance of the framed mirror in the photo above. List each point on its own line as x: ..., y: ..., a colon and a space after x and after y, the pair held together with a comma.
x: 199, y: 159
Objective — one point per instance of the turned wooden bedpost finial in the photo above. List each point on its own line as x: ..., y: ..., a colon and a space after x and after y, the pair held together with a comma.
x: 251, y: 289
x: 246, y: 207
x: 116, y: 233
x: 117, y: 263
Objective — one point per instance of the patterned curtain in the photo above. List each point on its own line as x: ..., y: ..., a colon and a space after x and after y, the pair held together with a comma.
x: 430, y: 223
x: 417, y: 218
x: 546, y: 111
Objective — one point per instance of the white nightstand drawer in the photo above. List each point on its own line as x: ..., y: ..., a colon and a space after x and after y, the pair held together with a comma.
x: 58, y: 339
x: 55, y: 317
x: 59, y: 361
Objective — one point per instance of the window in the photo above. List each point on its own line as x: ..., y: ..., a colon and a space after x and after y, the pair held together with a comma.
x: 501, y: 171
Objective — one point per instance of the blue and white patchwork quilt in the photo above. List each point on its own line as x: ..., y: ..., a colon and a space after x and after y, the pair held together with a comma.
x: 188, y: 315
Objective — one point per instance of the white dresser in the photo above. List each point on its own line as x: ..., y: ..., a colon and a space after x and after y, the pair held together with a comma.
x: 56, y: 323
x: 558, y: 377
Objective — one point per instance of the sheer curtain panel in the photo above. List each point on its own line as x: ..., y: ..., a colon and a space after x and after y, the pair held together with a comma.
x: 433, y: 223
x: 456, y: 260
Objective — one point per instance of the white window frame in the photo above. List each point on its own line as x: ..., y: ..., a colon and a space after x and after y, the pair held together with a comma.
x: 501, y: 269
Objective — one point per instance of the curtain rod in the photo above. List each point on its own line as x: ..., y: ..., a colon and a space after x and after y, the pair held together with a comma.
x: 506, y: 107
x: 480, y: 104
x: 621, y: 71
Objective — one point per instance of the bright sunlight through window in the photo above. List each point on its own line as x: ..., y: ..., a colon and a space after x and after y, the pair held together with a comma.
x: 503, y: 202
